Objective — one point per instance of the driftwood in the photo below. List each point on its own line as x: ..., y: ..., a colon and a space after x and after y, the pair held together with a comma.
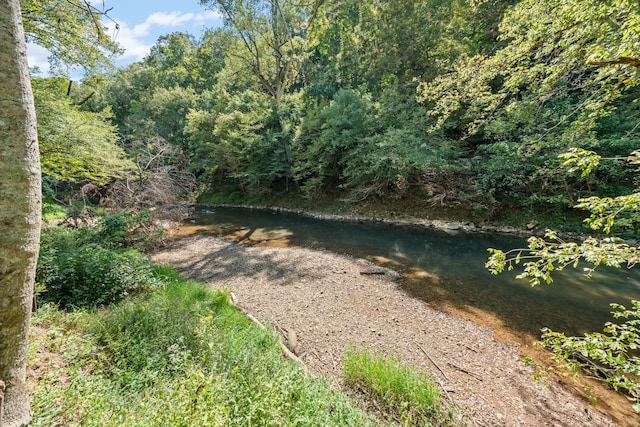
x: 474, y: 375
x: 591, y: 366
x: 442, y: 386
x: 372, y: 272
x: 432, y: 362
x: 285, y: 350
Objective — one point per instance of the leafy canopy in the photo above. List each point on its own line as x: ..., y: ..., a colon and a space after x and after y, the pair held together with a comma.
x: 549, y: 47
x: 72, y: 31
x: 589, y: 48
x: 75, y: 145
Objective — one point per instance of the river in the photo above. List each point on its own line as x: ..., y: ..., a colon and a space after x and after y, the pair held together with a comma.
x: 443, y: 268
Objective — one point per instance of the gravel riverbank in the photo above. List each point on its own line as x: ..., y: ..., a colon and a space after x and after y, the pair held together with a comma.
x: 331, y: 302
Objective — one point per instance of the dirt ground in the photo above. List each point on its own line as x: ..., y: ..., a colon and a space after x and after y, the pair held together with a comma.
x: 330, y: 302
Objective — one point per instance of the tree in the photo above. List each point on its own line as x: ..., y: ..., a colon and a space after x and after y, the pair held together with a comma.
x: 586, y: 49
x: 75, y: 145
x: 555, y: 45
x: 20, y: 205
x: 549, y: 47
x: 72, y: 31
x: 272, y: 33
x: 65, y: 28
x: 172, y: 59
x: 558, y: 69
x: 346, y: 122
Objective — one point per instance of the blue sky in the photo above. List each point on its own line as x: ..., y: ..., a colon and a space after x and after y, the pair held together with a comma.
x: 141, y: 22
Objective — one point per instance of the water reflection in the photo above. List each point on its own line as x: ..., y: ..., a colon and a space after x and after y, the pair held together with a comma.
x: 442, y: 268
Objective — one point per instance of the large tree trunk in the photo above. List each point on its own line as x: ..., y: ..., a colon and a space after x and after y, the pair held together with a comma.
x: 20, y: 207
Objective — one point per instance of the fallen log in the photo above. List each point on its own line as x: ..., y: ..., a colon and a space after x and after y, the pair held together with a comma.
x: 233, y: 301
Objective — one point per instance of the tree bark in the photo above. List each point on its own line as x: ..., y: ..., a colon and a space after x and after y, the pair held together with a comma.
x: 20, y: 207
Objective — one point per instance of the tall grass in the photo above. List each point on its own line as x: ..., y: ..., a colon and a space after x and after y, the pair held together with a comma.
x: 178, y: 356
x: 405, y: 394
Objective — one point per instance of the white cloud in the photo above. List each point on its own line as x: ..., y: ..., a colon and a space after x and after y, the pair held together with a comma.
x: 209, y: 15
x: 173, y: 19
x: 176, y: 19
x: 37, y: 56
x: 133, y: 40
x: 136, y: 41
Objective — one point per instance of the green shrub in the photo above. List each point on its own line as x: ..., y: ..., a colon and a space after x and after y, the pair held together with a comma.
x: 52, y: 210
x: 76, y: 272
x: 126, y: 229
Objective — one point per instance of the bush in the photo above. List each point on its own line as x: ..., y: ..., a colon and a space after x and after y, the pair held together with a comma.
x: 77, y: 272
x: 127, y: 229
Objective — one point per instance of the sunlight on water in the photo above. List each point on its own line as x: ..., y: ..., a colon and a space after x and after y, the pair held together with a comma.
x: 439, y: 267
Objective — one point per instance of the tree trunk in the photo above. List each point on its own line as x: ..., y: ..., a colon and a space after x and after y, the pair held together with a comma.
x: 20, y: 207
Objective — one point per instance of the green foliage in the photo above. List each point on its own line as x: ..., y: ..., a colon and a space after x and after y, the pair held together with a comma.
x: 271, y: 46
x: 578, y: 159
x: 126, y: 229
x: 75, y: 145
x: 551, y: 47
x: 384, y: 162
x: 52, y: 210
x: 173, y: 60
x: 72, y: 32
x: 180, y: 356
x: 163, y: 114
x: 243, y: 142
x: 607, y: 212
x: 406, y: 393
x: 91, y: 266
x: 393, y: 152
x: 89, y: 275
x: 320, y: 98
x: 546, y: 88
x: 554, y: 254
x: 344, y: 124
x: 582, y: 51
x: 610, y: 356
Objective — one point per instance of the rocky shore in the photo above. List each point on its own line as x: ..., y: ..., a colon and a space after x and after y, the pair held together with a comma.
x: 329, y: 303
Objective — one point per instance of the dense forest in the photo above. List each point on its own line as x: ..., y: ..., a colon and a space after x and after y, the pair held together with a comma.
x: 465, y: 104
x: 476, y: 108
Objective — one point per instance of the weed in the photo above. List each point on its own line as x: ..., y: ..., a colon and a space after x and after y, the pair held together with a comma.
x: 75, y: 269
x: 528, y: 361
x: 406, y: 393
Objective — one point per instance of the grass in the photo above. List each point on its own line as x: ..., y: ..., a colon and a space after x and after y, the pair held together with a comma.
x: 405, y: 394
x: 179, y: 356
x: 52, y: 210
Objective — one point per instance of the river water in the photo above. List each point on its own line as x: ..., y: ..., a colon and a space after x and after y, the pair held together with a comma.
x: 445, y: 268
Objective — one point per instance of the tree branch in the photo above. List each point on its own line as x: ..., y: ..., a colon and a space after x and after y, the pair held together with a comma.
x: 626, y: 60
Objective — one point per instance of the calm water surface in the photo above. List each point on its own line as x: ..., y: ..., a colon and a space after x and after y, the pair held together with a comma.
x: 451, y: 267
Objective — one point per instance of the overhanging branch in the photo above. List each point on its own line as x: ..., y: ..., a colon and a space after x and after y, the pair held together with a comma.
x: 625, y: 60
